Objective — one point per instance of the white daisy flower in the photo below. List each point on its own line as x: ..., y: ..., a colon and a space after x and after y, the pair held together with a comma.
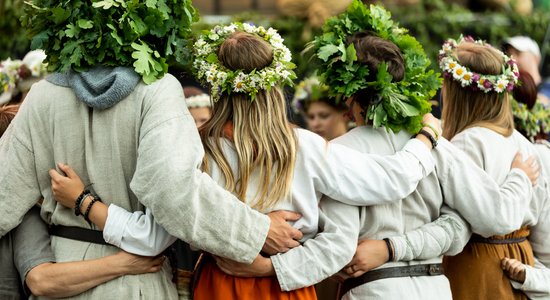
x: 501, y: 85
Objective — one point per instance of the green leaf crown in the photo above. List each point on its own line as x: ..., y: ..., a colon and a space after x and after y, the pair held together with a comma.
x: 309, y: 89
x: 81, y: 34
x: 222, y: 80
x: 403, y: 103
x: 531, y: 122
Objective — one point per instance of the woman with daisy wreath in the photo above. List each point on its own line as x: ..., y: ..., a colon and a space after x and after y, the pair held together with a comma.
x: 253, y: 151
x: 478, y: 120
x: 383, y: 72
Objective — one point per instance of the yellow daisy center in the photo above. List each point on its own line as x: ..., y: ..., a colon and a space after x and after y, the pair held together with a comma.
x: 467, y: 77
x: 452, y: 65
x: 459, y: 72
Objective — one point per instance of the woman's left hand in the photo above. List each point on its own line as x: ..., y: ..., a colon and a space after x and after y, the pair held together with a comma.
x: 370, y: 254
x: 260, y: 267
x: 66, y: 189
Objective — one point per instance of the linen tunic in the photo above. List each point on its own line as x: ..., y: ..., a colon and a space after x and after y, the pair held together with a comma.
x: 144, y: 151
x: 494, y: 153
x: 414, y: 225
x: 321, y: 168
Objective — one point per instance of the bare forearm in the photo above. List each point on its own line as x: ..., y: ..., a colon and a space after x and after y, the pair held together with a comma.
x: 72, y: 278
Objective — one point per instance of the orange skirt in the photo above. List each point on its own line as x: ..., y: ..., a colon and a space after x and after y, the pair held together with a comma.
x: 215, y: 284
x: 476, y: 273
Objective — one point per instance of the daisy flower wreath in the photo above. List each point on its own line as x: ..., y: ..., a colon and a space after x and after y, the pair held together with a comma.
x: 209, y: 70
x: 503, y: 82
x: 403, y: 103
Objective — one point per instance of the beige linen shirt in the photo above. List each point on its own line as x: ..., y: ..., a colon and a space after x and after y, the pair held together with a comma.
x: 144, y: 151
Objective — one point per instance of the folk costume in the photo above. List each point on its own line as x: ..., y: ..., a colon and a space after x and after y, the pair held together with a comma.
x: 424, y: 225
x: 125, y: 131
x: 494, y: 152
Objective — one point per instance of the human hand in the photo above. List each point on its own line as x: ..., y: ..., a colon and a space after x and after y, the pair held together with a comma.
x: 132, y: 264
x: 260, y: 267
x: 530, y: 167
x: 514, y: 269
x: 370, y: 254
x: 66, y: 189
x: 431, y: 123
x: 281, y: 236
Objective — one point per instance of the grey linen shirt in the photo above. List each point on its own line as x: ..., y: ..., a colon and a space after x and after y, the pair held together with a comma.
x: 23, y: 248
x: 143, y: 151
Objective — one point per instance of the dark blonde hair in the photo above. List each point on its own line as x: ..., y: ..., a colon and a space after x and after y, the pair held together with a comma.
x: 464, y: 108
x: 7, y: 113
x: 262, y: 137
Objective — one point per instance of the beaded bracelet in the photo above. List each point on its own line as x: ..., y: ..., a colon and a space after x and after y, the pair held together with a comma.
x: 79, y: 200
x: 391, y: 255
x: 87, y: 213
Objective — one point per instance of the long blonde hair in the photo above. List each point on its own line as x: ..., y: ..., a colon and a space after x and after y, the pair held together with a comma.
x: 262, y: 136
x: 464, y: 108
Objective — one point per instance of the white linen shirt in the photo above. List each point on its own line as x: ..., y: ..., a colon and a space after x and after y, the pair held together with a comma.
x: 321, y: 168
x: 421, y: 226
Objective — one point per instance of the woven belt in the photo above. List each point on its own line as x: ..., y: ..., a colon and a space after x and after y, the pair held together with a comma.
x: 79, y: 234
x: 393, y: 272
x: 479, y: 239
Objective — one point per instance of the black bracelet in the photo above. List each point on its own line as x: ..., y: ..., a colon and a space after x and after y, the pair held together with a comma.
x: 429, y: 136
x: 87, y: 213
x: 78, y: 202
x: 390, y: 249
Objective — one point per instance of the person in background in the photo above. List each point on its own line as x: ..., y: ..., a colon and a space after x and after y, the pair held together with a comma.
x: 199, y: 104
x: 324, y: 115
x: 528, y: 56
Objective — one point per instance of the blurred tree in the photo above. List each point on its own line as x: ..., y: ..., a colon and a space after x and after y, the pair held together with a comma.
x: 13, y: 42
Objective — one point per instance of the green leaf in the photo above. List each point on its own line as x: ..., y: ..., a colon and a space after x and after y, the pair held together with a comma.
x: 85, y: 24
x: 72, y: 30
x: 326, y: 51
x: 114, y: 34
x: 60, y: 14
x: 40, y: 39
x: 143, y: 58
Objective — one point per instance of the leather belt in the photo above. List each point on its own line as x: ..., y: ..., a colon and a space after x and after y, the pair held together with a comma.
x: 479, y: 239
x: 393, y: 272
x: 79, y: 234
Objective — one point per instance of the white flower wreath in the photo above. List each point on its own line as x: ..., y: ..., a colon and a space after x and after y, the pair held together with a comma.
x: 209, y: 69
x: 486, y: 83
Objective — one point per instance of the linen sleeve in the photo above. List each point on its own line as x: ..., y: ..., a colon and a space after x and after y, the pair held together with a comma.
x: 19, y: 189
x: 31, y: 243
x: 537, y: 282
x: 447, y: 235
x: 471, y: 191
x: 540, y: 232
x: 364, y: 179
x: 325, y: 254
x: 184, y: 200
x: 136, y: 232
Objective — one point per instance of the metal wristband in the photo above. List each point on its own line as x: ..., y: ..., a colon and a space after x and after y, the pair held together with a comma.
x: 79, y: 201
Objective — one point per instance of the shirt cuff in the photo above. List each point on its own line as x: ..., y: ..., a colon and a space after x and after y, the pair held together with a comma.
x: 279, y: 272
x: 422, y: 153
x: 117, y: 218
x: 528, y: 284
x: 399, y: 244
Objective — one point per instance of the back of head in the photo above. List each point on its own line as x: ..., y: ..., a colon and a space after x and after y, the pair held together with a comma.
x: 7, y: 113
x: 261, y: 134
x: 468, y: 106
x: 373, y: 51
x: 526, y: 91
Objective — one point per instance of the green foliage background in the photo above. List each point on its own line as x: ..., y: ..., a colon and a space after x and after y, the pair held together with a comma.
x: 430, y: 23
